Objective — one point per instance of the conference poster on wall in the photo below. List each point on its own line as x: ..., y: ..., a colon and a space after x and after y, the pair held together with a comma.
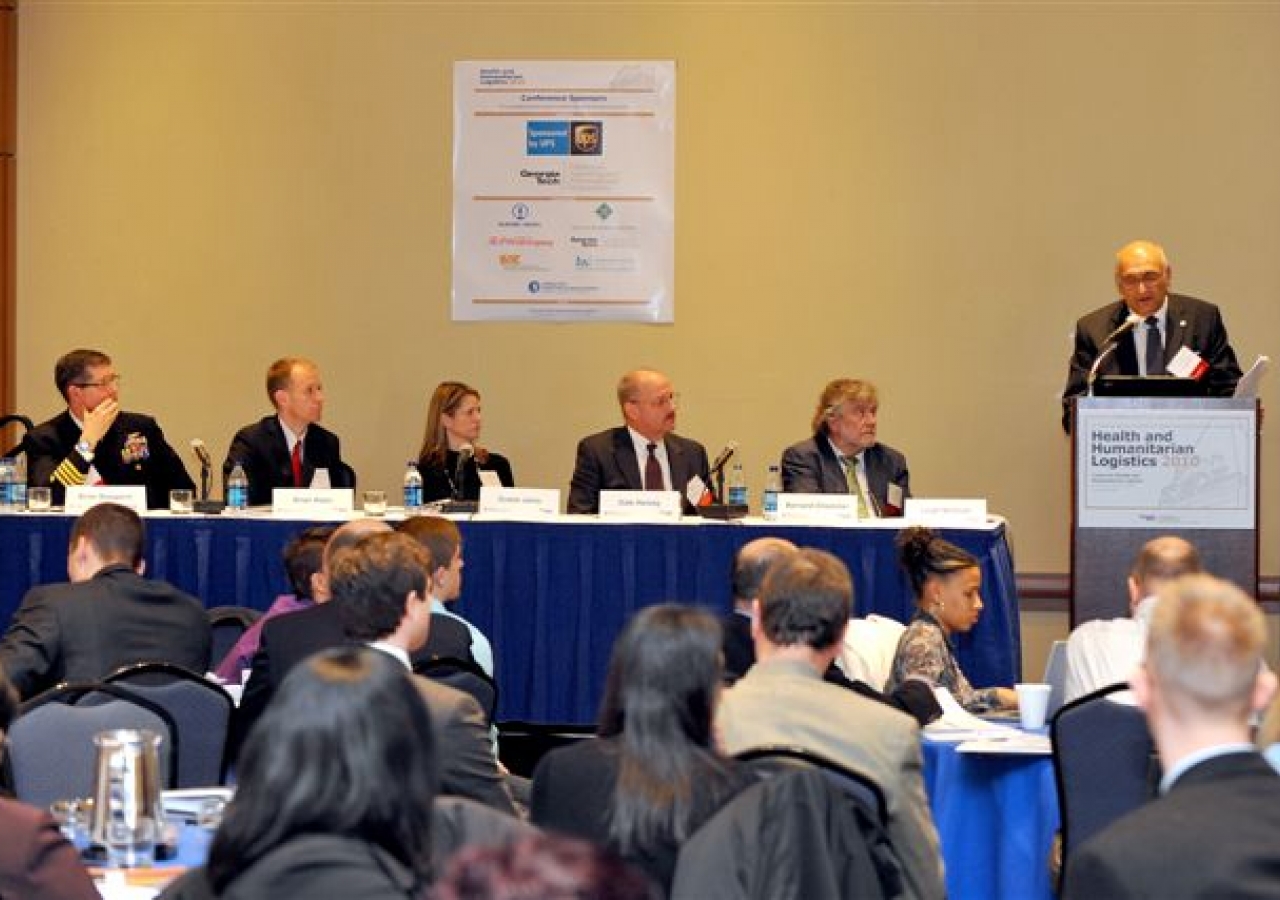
x: 564, y: 191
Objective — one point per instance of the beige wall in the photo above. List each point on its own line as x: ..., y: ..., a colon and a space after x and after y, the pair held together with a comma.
x: 925, y: 195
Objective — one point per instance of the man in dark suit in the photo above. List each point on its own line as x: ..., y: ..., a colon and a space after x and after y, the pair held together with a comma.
x: 644, y: 454
x: 108, y: 616
x: 93, y: 441
x: 1169, y: 323
x: 1214, y: 831
x: 844, y: 456
x: 286, y: 449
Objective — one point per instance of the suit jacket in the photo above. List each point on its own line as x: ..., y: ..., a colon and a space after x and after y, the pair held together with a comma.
x: 84, y: 631
x: 467, y: 766
x: 1189, y: 322
x: 780, y: 702
x: 147, y: 459
x: 607, y: 462
x: 1216, y: 833
x: 36, y: 861
x: 262, y: 450
x: 812, y: 467
x: 437, y: 478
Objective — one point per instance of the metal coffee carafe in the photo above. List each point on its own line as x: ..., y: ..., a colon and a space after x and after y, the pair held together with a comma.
x: 126, y: 784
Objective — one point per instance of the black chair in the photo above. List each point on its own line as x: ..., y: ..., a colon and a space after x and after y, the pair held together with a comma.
x: 1104, y: 764
x: 51, y: 747
x: 200, y: 709
x: 521, y: 744
x: 463, y: 675
x: 226, y: 625
x: 772, y: 760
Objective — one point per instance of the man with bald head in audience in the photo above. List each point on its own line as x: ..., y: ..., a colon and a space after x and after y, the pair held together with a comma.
x: 1167, y: 323
x: 644, y: 453
x: 1106, y: 651
x: 1214, y: 829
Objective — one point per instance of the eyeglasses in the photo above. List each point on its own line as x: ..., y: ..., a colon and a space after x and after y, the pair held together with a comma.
x: 1136, y: 278
x: 110, y: 381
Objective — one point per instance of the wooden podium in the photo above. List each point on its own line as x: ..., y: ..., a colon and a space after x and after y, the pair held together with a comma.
x: 1143, y: 467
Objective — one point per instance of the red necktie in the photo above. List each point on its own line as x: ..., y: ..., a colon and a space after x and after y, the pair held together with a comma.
x: 652, y: 471
x: 296, y: 460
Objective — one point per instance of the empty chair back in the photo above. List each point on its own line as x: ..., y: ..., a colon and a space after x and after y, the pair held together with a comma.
x: 201, y: 712
x: 869, y: 646
x: 466, y: 676
x: 51, y: 748
x: 1104, y: 763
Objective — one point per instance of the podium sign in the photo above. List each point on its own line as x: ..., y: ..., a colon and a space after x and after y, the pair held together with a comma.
x: 1145, y: 467
x: 1166, y: 468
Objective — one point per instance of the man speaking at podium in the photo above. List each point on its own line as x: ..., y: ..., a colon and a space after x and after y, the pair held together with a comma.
x: 1149, y: 327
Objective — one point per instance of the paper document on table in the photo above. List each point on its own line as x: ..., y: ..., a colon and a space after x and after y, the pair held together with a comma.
x: 1017, y: 743
x: 1247, y: 386
x: 958, y: 724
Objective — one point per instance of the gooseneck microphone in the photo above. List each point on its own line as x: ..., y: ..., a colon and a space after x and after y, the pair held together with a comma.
x: 465, y: 453
x: 722, y: 460
x: 1109, y: 345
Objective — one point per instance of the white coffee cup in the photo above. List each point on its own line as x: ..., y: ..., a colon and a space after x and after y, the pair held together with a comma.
x: 1033, y: 704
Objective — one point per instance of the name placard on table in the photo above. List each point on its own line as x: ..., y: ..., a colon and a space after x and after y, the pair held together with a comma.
x: 82, y: 496
x: 818, y: 509
x: 640, y: 505
x: 943, y: 511
x: 519, y: 503
x: 322, y: 503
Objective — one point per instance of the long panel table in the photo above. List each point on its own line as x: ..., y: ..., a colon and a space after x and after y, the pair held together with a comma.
x: 551, y: 595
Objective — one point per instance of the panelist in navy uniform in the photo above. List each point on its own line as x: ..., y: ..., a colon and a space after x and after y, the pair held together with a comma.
x: 286, y: 449
x: 644, y: 453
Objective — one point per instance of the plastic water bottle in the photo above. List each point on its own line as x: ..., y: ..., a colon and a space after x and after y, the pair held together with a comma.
x: 412, y: 488
x: 18, y: 492
x: 737, y: 488
x: 237, y: 488
x: 8, y: 478
x: 772, y: 488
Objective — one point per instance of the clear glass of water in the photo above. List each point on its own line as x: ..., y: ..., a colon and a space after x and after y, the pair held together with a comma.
x: 375, y: 503
x: 181, y: 502
x: 131, y: 844
x: 39, y: 499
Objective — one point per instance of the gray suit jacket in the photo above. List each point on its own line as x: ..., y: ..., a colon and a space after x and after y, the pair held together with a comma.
x: 787, y: 703
x: 84, y: 631
x: 607, y: 462
x: 1189, y: 322
x: 811, y: 467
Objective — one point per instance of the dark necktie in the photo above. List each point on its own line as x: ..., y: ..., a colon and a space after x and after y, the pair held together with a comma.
x: 652, y: 471
x: 296, y: 460
x: 1155, y: 347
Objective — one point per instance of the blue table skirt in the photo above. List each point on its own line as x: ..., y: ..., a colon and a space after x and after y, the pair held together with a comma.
x: 996, y: 817
x: 550, y: 595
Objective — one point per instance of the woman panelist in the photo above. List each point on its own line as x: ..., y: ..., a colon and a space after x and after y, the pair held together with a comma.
x: 947, y: 584
x: 450, y: 459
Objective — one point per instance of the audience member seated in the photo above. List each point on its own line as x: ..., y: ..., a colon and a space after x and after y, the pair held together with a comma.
x: 798, y: 625
x: 108, y: 616
x: 653, y: 775
x: 451, y: 635
x: 542, y: 867
x: 1215, y: 828
x: 1106, y: 651
x: 285, y: 450
x: 453, y: 424
x: 335, y: 791
x: 644, y: 453
x: 844, y: 456
x: 947, y: 583
x: 36, y: 861
x: 303, y: 562
x: 379, y: 590
x: 750, y: 564
x: 95, y: 442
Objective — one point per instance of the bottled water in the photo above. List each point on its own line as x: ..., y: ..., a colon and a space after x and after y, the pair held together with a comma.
x: 772, y: 488
x: 18, y: 492
x: 737, y: 488
x: 8, y: 481
x: 412, y: 488
x: 237, y: 488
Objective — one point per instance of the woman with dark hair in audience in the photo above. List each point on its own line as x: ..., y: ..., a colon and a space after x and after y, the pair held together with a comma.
x: 453, y: 424
x: 335, y: 793
x: 653, y: 775
x: 36, y: 861
x: 947, y: 583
